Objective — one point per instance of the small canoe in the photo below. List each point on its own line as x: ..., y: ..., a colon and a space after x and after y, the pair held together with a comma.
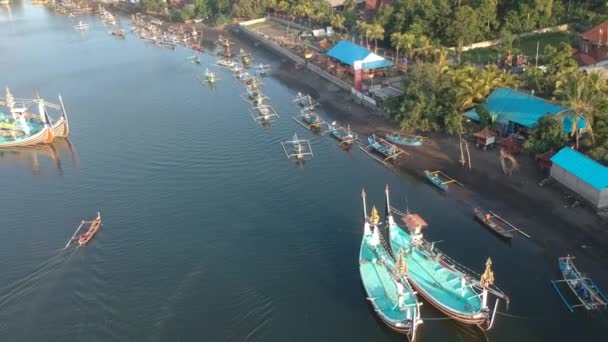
x: 93, y: 228
x: 493, y: 224
x: 404, y: 140
x: 435, y: 180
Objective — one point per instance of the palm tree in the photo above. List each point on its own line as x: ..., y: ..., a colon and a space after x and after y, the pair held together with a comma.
x: 376, y: 32
x: 397, y: 42
x: 338, y: 21
x: 363, y: 29
x: 409, y: 40
x: 583, y: 95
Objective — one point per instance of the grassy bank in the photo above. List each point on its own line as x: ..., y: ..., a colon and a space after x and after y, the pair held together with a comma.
x: 527, y: 45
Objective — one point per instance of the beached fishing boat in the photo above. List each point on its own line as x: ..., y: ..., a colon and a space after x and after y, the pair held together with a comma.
x: 385, y: 280
x: 588, y: 295
x: 383, y: 147
x: 493, y: 224
x: 440, y: 179
x: 448, y: 286
x: 343, y: 135
x: 297, y: 149
x: 84, y: 238
x: 404, y: 140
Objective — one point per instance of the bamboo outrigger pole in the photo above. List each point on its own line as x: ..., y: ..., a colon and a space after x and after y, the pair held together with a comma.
x: 72, y: 238
x: 510, y: 225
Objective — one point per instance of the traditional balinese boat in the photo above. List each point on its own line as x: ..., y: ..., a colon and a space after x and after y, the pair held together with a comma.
x: 23, y: 128
x: 344, y: 135
x: 119, y: 33
x: 386, y: 281
x: 449, y: 287
x: 404, y: 140
x: 493, y: 224
x: 309, y: 119
x: 84, y: 238
x: 262, y: 69
x: 298, y: 149
x: 386, y: 149
x: 81, y: 26
x: 211, y: 78
x: 587, y: 293
x: 197, y: 47
x: 304, y: 100
x: 227, y: 63
x: 264, y: 114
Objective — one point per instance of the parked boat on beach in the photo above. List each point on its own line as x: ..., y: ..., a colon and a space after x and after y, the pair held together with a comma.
x: 588, y: 295
x: 440, y: 179
x: 383, y: 147
x: 385, y: 280
x: 493, y: 224
x: 404, y: 140
x: 450, y: 287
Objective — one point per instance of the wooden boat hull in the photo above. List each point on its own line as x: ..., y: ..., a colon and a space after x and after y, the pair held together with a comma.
x: 492, y: 225
x: 403, y: 141
x: 61, y: 128
x: 45, y: 136
x: 93, y: 229
x: 435, y: 181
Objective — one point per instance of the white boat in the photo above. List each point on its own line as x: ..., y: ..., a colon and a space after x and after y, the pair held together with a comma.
x: 81, y: 26
x: 226, y: 63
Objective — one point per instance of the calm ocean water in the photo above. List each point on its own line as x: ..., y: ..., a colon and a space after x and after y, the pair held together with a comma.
x: 210, y: 234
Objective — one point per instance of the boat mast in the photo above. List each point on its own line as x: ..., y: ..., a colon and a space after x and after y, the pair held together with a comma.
x: 366, y: 229
x: 10, y: 102
x: 391, y: 221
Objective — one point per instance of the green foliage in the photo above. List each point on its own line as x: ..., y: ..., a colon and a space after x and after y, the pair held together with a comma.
x: 559, y: 59
x: 546, y: 135
x: 156, y: 6
x: 201, y: 8
x: 485, y: 118
x: 465, y: 28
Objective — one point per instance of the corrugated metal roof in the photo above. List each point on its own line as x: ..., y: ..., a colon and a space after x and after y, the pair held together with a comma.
x: 512, y: 105
x: 583, y: 167
x: 349, y: 53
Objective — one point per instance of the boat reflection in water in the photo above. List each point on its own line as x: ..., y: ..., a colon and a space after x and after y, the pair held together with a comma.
x: 33, y: 157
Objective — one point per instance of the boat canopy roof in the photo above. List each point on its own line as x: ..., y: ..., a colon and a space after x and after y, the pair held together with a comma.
x: 414, y: 221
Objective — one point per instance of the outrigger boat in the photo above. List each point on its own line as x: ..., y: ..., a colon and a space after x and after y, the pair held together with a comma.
x: 84, y: 238
x: 298, y: 149
x: 386, y: 281
x: 440, y: 179
x: 253, y: 83
x: 309, y: 119
x: 264, y: 114
x: 254, y: 98
x: 386, y: 149
x: 404, y: 140
x: 304, y: 100
x: 344, y: 136
x: 495, y: 225
x: 448, y: 286
x: 587, y: 293
x: 226, y: 63
x: 194, y: 59
x: 262, y: 69
x: 210, y: 76
x: 197, y: 47
x: 119, y: 33
x: 81, y: 26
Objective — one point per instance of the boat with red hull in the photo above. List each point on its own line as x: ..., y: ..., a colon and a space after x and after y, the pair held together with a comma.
x: 84, y: 238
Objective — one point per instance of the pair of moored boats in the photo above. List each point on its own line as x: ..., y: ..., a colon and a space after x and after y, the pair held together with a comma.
x: 22, y: 128
x: 394, y: 274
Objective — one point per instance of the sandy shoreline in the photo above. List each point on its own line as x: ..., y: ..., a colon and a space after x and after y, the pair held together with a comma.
x: 542, y: 212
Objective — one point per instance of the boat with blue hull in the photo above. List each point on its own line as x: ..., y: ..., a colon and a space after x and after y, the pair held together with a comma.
x: 404, y: 140
x: 385, y: 280
x: 448, y: 286
x: 588, y: 295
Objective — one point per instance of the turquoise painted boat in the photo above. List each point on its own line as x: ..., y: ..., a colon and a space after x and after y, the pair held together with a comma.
x: 589, y: 296
x: 449, y: 287
x: 343, y: 135
x: 383, y: 147
x: 404, y: 140
x: 388, y: 291
x: 435, y: 180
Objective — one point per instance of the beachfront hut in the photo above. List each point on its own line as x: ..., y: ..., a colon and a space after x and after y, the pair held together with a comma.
x: 515, y: 111
x: 581, y: 174
x: 485, y: 138
x: 358, y: 59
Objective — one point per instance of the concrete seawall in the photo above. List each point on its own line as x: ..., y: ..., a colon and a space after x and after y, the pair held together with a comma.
x: 283, y: 52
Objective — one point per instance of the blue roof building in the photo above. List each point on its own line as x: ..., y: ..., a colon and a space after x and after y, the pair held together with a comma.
x: 582, y: 175
x: 513, y: 109
x: 350, y: 54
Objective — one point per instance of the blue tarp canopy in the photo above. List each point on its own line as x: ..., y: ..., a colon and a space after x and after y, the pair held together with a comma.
x: 349, y: 53
x: 509, y: 105
x: 583, y: 167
